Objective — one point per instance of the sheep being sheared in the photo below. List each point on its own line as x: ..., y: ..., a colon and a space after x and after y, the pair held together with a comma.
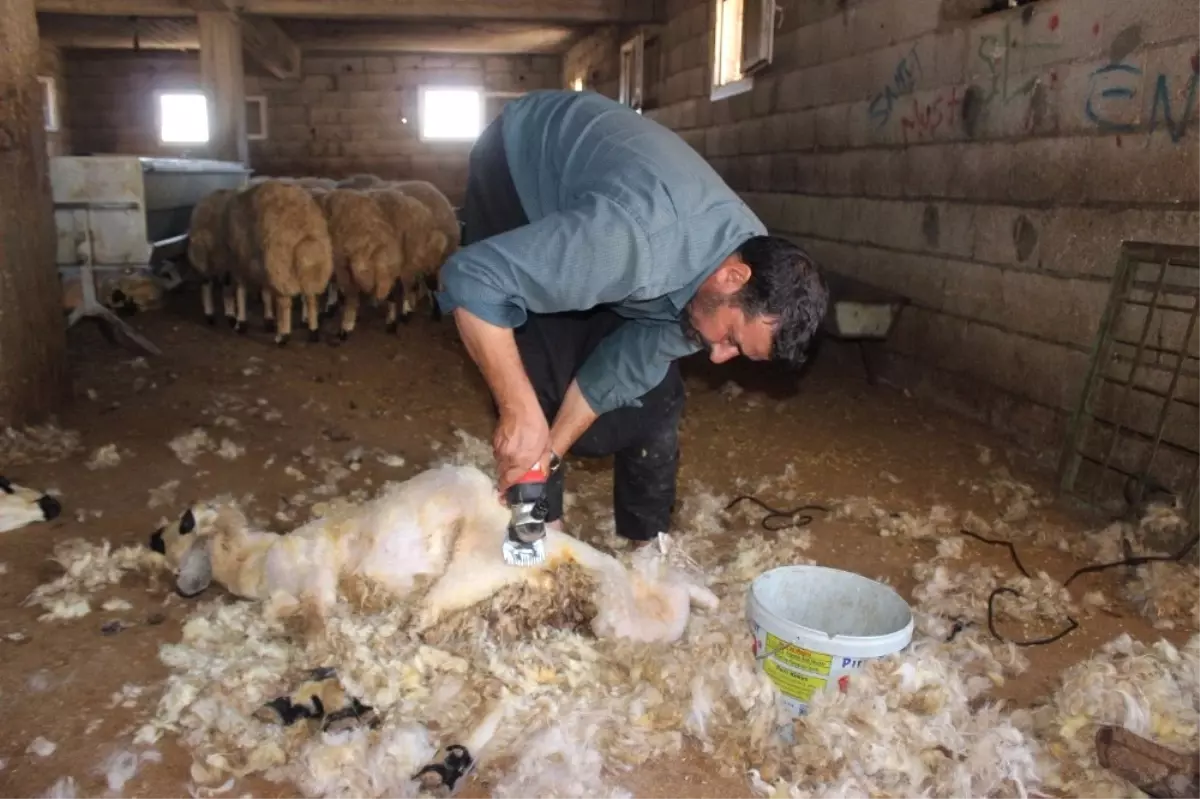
x: 366, y: 252
x: 208, y: 251
x: 422, y: 244
x: 280, y: 242
x: 20, y: 506
x: 433, y: 541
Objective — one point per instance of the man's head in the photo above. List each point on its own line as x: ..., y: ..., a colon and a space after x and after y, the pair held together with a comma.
x: 765, y: 301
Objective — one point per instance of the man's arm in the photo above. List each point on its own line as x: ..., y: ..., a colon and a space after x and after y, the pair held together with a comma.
x: 629, y: 362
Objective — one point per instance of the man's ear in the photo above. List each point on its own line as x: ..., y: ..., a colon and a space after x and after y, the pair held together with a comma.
x: 732, y: 275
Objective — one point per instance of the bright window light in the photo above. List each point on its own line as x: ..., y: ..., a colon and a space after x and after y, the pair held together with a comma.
x: 451, y: 114
x: 183, y: 118
x: 728, y: 42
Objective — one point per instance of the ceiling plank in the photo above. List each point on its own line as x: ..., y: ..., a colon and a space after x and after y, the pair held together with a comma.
x: 545, y: 11
x: 271, y: 47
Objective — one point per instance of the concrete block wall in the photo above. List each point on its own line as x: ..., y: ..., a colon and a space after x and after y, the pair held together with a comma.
x: 987, y: 169
x: 346, y: 113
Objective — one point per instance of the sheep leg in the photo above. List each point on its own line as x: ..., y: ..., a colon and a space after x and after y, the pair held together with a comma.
x: 229, y: 301
x: 331, y: 301
x: 313, y: 314
x: 406, y: 306
x: 239, y: 324
x: 206, y: 299
x: 431, y: 286
x: 268, y: 301
x: 283, y: 313
x: 395, y: 294
x: 349, y: 313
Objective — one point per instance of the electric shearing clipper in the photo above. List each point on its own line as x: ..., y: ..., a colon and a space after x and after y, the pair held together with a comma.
x: 525, y: 543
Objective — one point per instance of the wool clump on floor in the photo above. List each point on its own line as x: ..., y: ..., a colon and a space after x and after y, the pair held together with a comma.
x: 87, y: 568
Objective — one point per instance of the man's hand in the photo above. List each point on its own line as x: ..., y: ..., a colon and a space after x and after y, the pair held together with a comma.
x: 522, y: 438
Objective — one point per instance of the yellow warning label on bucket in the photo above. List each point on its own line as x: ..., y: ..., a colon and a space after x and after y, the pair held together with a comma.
x: 796, y: 657
x: 797, y: 686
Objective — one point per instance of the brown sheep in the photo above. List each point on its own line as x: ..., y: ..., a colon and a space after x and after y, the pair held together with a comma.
x: 366, y: 250
x: 444, y: 217
x: 208, y: 250
x: 422, y: 245
x: 280, y: 242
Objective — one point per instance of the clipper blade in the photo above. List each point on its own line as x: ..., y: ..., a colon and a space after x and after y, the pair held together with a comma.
x: 517, y: 553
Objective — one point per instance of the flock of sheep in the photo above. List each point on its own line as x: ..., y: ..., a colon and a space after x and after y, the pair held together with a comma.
x: 308, y: 237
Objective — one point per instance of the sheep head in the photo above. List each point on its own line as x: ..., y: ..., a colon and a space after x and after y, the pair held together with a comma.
x: 20, y: 506
x: 187, y: 543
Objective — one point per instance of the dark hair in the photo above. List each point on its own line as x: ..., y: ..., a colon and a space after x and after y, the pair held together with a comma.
x: 784, y: 283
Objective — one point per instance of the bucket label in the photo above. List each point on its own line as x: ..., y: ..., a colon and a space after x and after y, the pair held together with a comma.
x: 798, y: 658
x: 797, y: 686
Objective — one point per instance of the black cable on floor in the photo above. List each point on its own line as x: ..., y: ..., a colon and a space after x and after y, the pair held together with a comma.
x: 797, y: 517
x: 991, y: 621
x: 1137, y: 560
x: 1012, y: 550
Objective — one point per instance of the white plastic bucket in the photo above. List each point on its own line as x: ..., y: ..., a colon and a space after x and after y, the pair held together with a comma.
x: 814, y: 627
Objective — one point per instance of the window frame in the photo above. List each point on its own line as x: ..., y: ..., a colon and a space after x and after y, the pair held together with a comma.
x: 481, y: 99
x: 759, y: 39
x: 259, y: 100
x: 158, y: 118
x: 51, y: 121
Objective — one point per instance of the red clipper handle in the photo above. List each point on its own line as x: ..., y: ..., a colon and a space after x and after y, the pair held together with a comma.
x: 534, y: 475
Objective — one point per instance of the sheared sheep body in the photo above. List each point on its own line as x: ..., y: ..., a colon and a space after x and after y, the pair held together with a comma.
x: 280, y: 242
x: 422, y: 243
x: 442, y: 528
x: 366, y: 252
x: 208, y: 249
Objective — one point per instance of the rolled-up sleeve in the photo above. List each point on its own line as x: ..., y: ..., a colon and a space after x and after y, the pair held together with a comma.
x: 630, y: 361
x: 572, y: 260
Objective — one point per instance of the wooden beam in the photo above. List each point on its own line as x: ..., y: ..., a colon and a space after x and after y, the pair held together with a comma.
x: 34, y: 376
x: 221, y: 76
x: 566, y: 12
x: 271, y: 47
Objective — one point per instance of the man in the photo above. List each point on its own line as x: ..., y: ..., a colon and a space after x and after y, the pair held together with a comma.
x: 598, y: 249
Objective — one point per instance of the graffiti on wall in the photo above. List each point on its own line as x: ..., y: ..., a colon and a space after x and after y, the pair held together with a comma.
x: 1113, y: 101
x: 904, y: 80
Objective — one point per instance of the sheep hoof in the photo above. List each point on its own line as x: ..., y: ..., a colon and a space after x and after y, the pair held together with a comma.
x: 211, y: 319
x: 239, y: 328
x: 392, y: 326
x: 343, y: 335
x: 314, y: 336
x: 282, y: 339
x: 232, y: 320
x: 405, y: 318
x: 269, y: 325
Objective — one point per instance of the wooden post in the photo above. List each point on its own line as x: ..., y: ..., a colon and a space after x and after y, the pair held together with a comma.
x: 221, y: 77
x: 33, y: 356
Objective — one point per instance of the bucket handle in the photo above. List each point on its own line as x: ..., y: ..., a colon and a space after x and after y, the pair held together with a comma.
x: 754, y: 634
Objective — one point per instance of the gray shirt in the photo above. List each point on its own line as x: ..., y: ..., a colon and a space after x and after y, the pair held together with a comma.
x: 623, y: 214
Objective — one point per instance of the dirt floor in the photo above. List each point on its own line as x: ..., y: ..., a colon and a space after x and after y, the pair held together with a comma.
x: 407, y: 393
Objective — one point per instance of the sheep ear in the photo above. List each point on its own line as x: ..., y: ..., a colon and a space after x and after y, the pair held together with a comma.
x: 195, y: 569
x: 187, y: 522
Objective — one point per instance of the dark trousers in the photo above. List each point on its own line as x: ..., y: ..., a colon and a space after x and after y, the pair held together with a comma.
x: 644, y: 442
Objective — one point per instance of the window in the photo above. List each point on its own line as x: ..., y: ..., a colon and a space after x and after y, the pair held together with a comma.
x: 743, y: 45
x: 256, y: 118
x: 640, y: 68
x: 49, y: 103
x: 577, y: 84
x: 451, y: 114
x: 183, y: 118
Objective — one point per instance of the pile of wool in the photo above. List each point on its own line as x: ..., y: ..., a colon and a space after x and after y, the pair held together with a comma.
x: 1168, y: 594
x: 104, y: 457
x: 939, y: 522
x: 1153, y: 691
x: 907, y: 725
x: 1038, y: 609
x: 1015, y: 498
x: 37, y: 444
x: 87, y: 568
x: 189, y: 446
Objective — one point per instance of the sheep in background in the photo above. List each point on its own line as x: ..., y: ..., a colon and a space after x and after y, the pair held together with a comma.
x: 208, y: 251
x: 443, y: 529
x: 443, y: 216
x: 280, y: 242
x: 361, y: 181
x: 422, y: 244
x: 326, y: 184
x: 366, y: 250
x: 20, y: 506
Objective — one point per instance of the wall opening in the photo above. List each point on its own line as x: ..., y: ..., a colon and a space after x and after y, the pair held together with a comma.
x: 451, y: 114
x: 49, y: 103
x: 182, y: 118
x: 256, y: 118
